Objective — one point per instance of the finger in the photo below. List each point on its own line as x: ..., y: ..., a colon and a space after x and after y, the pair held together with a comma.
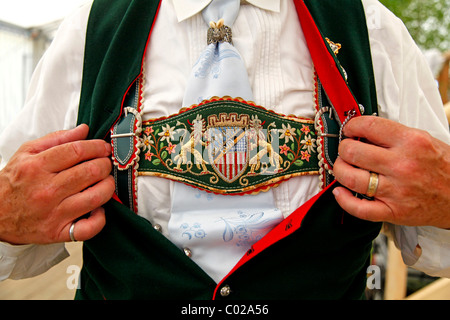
x: 64, y: 156
x: 80, y: 177
x: 84, y: 202
x: 365, y: 155
x: 357, y: 179
x: 379, y: 131
x: 353, y: 178
x: 376, y: 211
x: 86, y: 228
x: 57, y: 138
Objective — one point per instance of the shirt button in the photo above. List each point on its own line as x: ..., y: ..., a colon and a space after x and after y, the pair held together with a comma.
x: 157, y: 227
x: 225, y: 291
x: 188, y: 252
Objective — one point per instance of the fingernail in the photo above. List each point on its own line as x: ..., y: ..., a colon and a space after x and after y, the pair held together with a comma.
x: 336, y: 192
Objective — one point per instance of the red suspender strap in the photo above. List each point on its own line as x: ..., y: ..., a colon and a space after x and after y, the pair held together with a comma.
x: 325, y: 65
x: 343, y: 101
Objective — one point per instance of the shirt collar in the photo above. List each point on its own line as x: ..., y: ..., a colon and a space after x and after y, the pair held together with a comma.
x: 187, y: 8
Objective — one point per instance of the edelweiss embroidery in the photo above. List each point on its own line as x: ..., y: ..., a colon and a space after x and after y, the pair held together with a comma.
x: 229, y: 146
x: 245, y: 229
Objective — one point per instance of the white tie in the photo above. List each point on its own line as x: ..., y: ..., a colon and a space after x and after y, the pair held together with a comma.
x: 217, y: 230
x: 220, y: 69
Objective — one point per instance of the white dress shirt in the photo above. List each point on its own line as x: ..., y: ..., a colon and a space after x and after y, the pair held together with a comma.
x: 281, y: 76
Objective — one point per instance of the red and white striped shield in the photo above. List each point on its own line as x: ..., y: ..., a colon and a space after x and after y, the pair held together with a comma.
x: 228, y: 152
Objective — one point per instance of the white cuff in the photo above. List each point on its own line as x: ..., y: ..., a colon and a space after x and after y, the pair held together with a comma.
x: 8, y: 257
x: 433, y: 256
x: 26, y: 261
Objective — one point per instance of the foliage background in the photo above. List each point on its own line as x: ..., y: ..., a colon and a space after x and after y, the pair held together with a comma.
x: 428, y: 21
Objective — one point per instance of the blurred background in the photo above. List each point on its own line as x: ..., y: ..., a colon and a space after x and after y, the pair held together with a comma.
x: 27, y: 28
x: 428, y: 22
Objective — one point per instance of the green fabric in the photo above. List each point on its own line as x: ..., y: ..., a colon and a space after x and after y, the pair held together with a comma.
x: 344, y: 22
x: 116, y: 38
x: 325, y: 259
x: 131, y: 260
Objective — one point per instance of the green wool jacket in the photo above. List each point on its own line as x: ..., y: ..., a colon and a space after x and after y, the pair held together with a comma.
x: 319, y: 252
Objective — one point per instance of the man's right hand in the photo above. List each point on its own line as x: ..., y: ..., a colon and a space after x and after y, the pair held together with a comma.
x: 51, y: 182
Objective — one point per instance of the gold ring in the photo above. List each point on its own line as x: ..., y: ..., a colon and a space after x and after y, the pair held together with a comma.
x: 373, y: 184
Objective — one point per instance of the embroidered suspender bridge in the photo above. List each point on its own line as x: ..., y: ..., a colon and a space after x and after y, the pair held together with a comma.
x: 229, y: 146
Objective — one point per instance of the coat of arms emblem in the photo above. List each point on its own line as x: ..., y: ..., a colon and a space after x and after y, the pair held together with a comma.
x: 228, y: 145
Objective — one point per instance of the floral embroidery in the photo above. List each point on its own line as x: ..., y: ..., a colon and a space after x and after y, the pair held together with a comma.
x: 148, y: 130
x: 229, y: 146
x: 309, y: 144
x: 148, y: 156
x: 171, y: 148
x: 287, y: 133
x: 305, y: 129
x: 284, y: 149
x: 305, y: 155
x: 167, y: 133
x: 147, y: 142
x: 246, y: 229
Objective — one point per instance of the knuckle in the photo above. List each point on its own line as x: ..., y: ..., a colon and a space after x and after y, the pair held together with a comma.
x: 351, y: 182
x: 43, y: 194
x: 370, y: 123
x: 405, y: 167
x: 94, y: 169
x: 94, y: 199
x: 348, y: 151
x: 344, y: 176
x: 410, y: 166
x: 347, y: 180
x: 76, y: 148
x: 397, y: 168
x: 99, y: 168
x: 420, y: 139
x: 25, y: 168
x: 28, y: 147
